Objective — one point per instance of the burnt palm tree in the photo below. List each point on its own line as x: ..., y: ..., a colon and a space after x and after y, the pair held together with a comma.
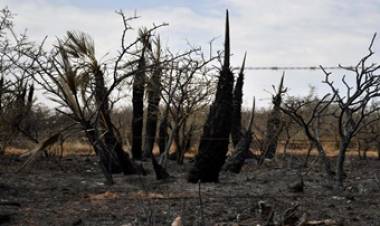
x: 138, y: 98
x: 236, y: 104
x: 154, y: 96
x: 215, y: 139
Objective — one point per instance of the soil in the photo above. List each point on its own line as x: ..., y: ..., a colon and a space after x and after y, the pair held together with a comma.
x: 71, y: 191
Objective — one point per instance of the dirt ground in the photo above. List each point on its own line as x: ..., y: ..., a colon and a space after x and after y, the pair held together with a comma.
x: 72, y: 192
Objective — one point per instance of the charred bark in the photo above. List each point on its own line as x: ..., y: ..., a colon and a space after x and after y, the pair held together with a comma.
x: 186, y: 144
x: 236, y: 106
x: 273, y: 125
x: 117, y: 160
x: 138, y: 108
x: 160, y: 171
x: 236, y: 161
x: 2, y: 91
x: 340, y: 175
x: 154, y: 95
x: 105, y: 159
x: 163, y: 135
x: 215, y: 139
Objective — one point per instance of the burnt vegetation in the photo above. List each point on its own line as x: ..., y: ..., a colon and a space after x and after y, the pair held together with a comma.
x: 180, y: 115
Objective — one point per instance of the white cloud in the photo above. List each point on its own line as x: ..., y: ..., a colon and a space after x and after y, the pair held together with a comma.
x: 274, y: 32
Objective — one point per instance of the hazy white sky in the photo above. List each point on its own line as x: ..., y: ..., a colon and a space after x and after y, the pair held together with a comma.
x: 273, y: 32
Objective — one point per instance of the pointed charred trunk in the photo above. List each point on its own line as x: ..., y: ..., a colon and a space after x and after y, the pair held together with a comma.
x: 215, y: 139
x: 272, y: 133
x: 236, y: 107
x: 138, y: 109
x: 273, y: 125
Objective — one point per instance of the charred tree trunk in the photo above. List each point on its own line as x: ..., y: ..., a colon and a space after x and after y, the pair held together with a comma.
x: 340, y: 162
x: 154, y: 95
x: 2, y: 90
x: 236, y: 106
x: 273, y: 125
x: 160, y: 171
x: 105, y: 160
x: 359, y: 150
x: 187, y: 137
x: 236, y: 161
x: 325, y: 160
x: 118, y: 159
x: 166, y: 155
x: 163, y: 131
x: 311, y: 146
x: 215, y: 139
x: 178, y: 143
x: 138, y: 108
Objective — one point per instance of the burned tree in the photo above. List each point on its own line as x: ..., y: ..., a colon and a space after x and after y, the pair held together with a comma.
x: 354, y: 105
x: 15, y: 112
x: 121, y: 161
x: 242, y: 152
x: 236, y: 106
x: 187, y: 87
x: 163, y: 135
x: 215, y: 138
x: 73, y: 75
x: 75, y: 80
x: 307, y: 114
x: 369, y: 136
x: 154, y: 96
x: 16, y: 88
x: 138, y: 99
x: 273, y: 128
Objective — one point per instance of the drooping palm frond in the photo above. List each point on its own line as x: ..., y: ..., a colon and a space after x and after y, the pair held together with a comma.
x: 79, y: 44
x: 83, y: 83
x: 32, y: 155
x: 69, y: 73
x: 237, y: 102
x: 158, y: 48
x: 78, y: 65
x: 69, y: 97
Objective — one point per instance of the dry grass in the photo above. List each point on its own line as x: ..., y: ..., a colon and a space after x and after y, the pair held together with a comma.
x: 83, y: 148
x: 68, y: 148
x: 15, y: 151
x: 330, y: 152
x: 77, y: 148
